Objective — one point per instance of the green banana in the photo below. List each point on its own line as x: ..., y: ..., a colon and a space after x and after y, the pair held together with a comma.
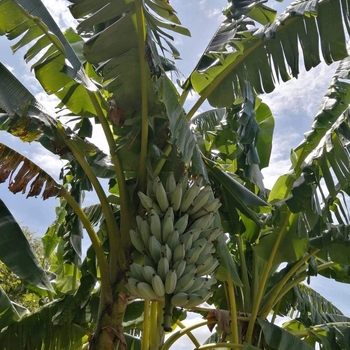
x: 205, y: 294
x: 148, y: 203
x: 184, y: 181
x: 199, y: 242
x: 138, y: 221
x: 208, y: 268
x: 144, y: 230
x: 181, y: 224
x: 204, y: 259
x: 213, y: 205
x: 176, y: 197
x: 146, y: 291
x: 148, y: 261
x: 210, y: 206
x: 176, y: 252
x: 166, y: 251
x: 136, y: 272
x: 163, y: 267
x: 137, y: 241
x: 197, y: 284
x: 201, y: 212
x: 173, y: 240
x: 187, y: 240
x: 147, y: 273
x: 209, y: 282
x: 170, y: 281
x: 161, y: 195
x: 131, y: 286
x: 179, y: 252
x: 190, y: 269
x: 184, y: 283
x: 189, y: 196
x: 204, y: 222
x: 207, y: 248
x: 193, y: 254
x: 205, y: 233
x: 155, y: 224
x: 214, y: 234
x: 167, y: 224
x: 180, y: 267
x: 196, y: 232
x: 155, y: 248
x: 193, y: 300
x: 200, y: 200
x: 158, y: 285
x: 180, y: 299
x: 170, y: 184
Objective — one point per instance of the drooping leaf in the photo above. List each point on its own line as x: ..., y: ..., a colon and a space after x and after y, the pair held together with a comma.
x: 181, y: 135
x: 266, y: 123
x: 279, y: 339
x: 253, y: 9
x: 16, y: 252
x: 208, y: 120
x: 227, y: 262
x: 25, y: 117
x: 243, y: 198
x: 8, y: 312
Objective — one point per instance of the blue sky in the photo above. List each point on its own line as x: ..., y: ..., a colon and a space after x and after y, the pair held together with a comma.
x: 294, y: 105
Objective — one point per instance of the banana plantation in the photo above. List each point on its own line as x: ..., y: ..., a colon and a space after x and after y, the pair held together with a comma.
x: 183, y: 224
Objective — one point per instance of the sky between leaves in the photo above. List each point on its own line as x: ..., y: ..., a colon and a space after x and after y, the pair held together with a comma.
x: 294, y: 105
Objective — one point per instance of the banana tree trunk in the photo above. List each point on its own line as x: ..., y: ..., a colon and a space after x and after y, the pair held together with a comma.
x: 109, y: 330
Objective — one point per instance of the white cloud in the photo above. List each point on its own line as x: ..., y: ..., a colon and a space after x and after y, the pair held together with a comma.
x: 211, y: 12
x: 294, y: 105
x: 48, y: 162
x: 217, y: 13
x: 301, y: 96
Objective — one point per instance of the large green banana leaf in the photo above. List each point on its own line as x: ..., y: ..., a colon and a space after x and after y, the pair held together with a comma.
x: 279, y: 339
x: 313, y: 308
x: 58, y: 69
x: 120, y: 63
x: 38, y: 331
x: 266, y: 55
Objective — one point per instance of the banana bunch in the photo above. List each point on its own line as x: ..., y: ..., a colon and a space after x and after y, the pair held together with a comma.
x: 177, y: 240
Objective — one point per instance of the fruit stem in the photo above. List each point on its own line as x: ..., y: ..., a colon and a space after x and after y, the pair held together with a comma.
x: 168, y: 313
x: 145, y: 328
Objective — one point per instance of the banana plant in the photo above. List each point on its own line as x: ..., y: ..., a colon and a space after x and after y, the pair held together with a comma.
x: 113, y: 69
x: 300, y: 235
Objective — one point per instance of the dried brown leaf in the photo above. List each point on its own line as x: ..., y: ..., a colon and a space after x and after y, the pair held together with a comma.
x: 21, y: 171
